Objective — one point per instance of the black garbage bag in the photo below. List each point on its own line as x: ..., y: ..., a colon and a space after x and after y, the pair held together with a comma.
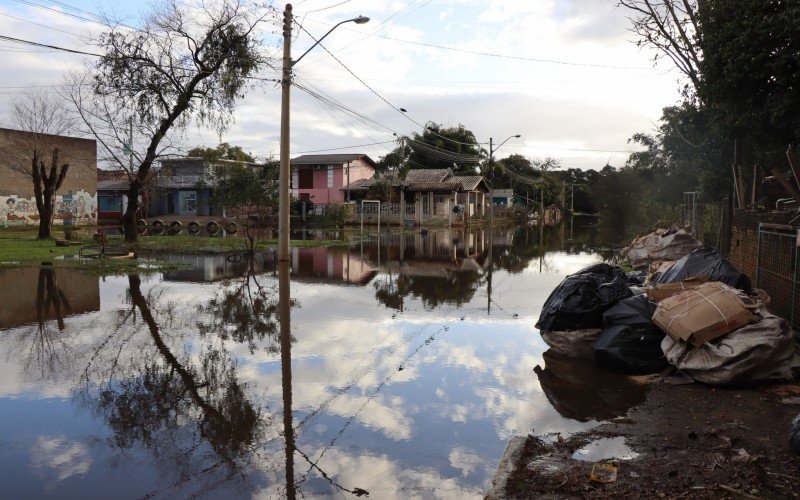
x: 706, y: 261
x: 636, y: 310
x: 634, y: 349
x: 637, y: 278
x: 579, y: 301
x: 794, y: 435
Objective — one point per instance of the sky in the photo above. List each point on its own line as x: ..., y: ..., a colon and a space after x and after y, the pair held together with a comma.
x: 566, y: 75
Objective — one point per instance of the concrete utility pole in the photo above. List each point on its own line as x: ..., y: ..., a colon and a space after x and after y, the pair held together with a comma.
x: 348, y: 180
x: 491, y: 174
x: 283, y: 176
x: 286, y: 84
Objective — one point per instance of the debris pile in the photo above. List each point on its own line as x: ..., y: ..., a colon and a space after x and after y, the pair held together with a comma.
x: 659, y: 246
x: 694, y: 311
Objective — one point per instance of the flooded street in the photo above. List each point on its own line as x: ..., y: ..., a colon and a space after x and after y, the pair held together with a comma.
x: 411, y: 361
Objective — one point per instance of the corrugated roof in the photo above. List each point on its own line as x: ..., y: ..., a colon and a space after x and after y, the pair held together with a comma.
x: 113, y: 185
x: 470, y: 182
x: 434, y: 186
x: 328, y: 159
x: 427, y: 175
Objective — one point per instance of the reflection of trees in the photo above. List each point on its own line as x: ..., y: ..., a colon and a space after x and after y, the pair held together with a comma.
x: 47, y: 349
x: 247, y: 312
x: 172, y: 403
x: 456, y: 289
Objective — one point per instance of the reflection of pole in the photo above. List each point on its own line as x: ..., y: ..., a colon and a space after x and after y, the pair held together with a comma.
x: 541, y: 245
x: 284, y: 316
x: 491, y: 266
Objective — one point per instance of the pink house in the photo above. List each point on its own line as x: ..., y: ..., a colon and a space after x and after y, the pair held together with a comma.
x: 321, y: 178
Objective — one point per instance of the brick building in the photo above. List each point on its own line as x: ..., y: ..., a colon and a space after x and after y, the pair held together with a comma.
x: 17, y: 202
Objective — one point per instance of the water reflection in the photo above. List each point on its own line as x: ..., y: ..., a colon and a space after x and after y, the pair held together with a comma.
x: 217, y: 383
x: 578, y: 391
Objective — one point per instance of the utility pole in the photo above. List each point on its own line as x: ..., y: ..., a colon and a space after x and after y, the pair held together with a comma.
x: 283, y: 177
x: 286, y: 85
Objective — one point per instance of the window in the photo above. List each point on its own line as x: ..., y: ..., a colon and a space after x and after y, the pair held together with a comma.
x: 330, y: 176
x: 305, y: 178
x: 188, y: 202
x: 109, y: 204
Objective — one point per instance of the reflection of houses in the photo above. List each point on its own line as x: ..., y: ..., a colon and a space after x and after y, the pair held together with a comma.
x: 429, y: 194
x: 337, y: 265
x: 30, y: 295
x: 437, y: 254
x: 17, y: 201
x: 322, y: 179
x: 209, y: 268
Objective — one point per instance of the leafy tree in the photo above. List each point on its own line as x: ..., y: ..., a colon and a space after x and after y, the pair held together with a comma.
x: 750, y: 69
x: 188, y: 62
x: 222, y: 152
x: 246, y: 196
x: 440, y: 147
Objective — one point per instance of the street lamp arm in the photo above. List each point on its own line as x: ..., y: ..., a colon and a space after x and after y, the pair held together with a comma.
x: 357, y: 20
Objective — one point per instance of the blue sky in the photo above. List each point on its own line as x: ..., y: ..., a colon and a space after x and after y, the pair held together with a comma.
x: 572, y: 82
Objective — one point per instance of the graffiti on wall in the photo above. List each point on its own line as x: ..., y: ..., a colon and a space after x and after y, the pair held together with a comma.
x: 17, y: 211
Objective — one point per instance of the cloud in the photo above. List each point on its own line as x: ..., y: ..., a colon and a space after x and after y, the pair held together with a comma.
x: 60, y: 457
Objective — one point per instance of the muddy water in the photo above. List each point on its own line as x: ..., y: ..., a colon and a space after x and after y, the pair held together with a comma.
x: 399, y: 366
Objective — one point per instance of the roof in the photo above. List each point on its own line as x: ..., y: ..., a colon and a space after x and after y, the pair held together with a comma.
x: 427, y: 175
x: 113, y: 185
x: 470, y: 182
x: 434, y: 186
x: 331, y: 159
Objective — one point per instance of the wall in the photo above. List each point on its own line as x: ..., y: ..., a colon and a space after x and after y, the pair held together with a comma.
x: 17, y: 202
x: 16, y: 211
x: 744, y: 237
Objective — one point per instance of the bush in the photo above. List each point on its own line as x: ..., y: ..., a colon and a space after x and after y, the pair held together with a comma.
x: 335, y: 214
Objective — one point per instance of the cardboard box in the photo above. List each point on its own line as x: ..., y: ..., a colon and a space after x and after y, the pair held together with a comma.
x: 709, y: 311
x: 662, y: 291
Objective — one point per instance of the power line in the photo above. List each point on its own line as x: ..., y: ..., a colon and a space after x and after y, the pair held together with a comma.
x: 493, y: 54
x: 328, y: 7
x: 345, y: 147
x: 55, y: 47
x: 41, y: 25
x: 74, y: 16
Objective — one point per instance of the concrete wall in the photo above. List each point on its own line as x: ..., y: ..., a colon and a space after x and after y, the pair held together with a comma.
x: 17, y: 202
x: 15, y: 162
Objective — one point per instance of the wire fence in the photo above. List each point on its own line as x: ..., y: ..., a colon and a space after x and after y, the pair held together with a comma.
x: 777, y: 269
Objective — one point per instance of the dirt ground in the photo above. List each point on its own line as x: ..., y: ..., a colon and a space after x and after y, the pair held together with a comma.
x: 692, y: 441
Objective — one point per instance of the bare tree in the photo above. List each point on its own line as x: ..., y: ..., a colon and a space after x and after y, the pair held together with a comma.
x: 40, y: 120
x: 672, y: 28
x: 187, y: 62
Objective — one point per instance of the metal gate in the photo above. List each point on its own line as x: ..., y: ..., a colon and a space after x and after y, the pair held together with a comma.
x: 777, y: 269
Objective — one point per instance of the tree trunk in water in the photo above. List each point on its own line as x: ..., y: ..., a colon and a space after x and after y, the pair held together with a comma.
x: 129, y: 222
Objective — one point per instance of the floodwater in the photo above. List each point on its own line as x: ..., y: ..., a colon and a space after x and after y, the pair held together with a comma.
x: 398, y: 367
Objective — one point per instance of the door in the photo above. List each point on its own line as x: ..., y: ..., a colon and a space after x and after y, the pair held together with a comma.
x: 188, y: 202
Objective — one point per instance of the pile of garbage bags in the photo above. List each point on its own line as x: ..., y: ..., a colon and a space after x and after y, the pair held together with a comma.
x: 661, y: 245
x: 698, y: 314
x: 580, y: 300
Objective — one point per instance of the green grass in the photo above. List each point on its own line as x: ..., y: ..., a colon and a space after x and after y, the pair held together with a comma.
x: 19, y: 247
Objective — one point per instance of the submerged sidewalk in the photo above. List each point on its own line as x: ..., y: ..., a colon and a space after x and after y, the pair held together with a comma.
x: 692, y: 441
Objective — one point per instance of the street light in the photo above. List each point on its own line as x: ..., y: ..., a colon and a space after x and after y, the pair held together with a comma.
x: 491, y: 173
x: 286, y: 83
